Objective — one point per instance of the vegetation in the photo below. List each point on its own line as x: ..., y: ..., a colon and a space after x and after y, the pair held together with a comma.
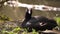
x: 14, y: 31
x: 17, y: 30
x: 58, y: 20
x: 9, y: 14
x: 9, y: 29
x: 4, y: 18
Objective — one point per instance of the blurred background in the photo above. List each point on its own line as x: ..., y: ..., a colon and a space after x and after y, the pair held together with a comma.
x: 18, y: 13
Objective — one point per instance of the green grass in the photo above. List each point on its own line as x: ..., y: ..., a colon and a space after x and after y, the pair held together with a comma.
x: 16, y: 31
x: 58, y: 20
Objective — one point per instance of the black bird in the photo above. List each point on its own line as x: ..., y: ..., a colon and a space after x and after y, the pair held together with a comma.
x: 37, y: 22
